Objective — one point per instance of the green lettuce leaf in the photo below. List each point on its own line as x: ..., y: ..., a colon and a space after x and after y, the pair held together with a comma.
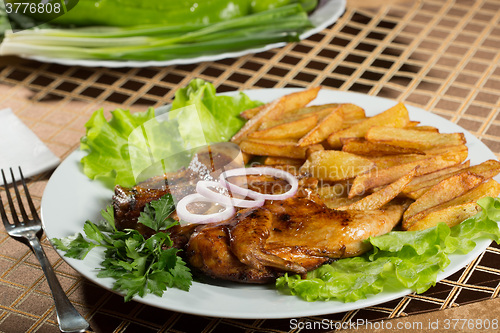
x: 399, y: 259
x: 218, y: 114
x: 106, y: 142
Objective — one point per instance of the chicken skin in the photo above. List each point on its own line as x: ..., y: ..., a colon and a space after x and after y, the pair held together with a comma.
x: 258, y: 244
x: 293, y: 235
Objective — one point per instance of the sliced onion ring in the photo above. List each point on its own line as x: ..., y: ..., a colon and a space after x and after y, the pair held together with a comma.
x: 294, y: 183
x: 203, y: 188
x: 187, y: 216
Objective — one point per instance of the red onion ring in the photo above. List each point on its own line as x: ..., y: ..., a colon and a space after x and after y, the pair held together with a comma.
x: 187, y: 216
x: 259, y: 171
x: 202, y: 187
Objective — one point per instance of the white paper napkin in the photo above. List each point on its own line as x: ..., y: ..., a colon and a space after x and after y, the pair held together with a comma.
x: 19, y: 146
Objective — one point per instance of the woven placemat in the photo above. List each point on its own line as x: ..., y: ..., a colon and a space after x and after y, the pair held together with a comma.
x: 442, y: 56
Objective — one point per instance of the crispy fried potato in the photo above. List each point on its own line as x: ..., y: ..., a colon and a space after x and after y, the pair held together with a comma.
x: 295, y: 101
x: 378, y: 199
x: 336, y: 202
x: 312, y: 148
x: 443, y: 191
x: 447, y: 172
x: 273, y: 160
x: 324, y: 128
x: 487, y: 169
x: 292, y: 130
x: 246, y: 157
x: 445, y: 213
x: 254, y: 123
x: 360, y: 146
x: 418, y: 187
x: 412, y: 124
x: 441, y: 150
x: 250, y: 113
x: 450, y: 215
x: 397, y: 116
x: 321, y: 111
x: 276, y: 109
x: 293, y: 169
x: 334, y: 190
x: 352, y: 112
x: 409, y: 138
x: 280, y: 148
x: 332, y: 165
x: 378, y: 177
x: 383, y: 162
x: 425, y: 128
x: 385, y: 156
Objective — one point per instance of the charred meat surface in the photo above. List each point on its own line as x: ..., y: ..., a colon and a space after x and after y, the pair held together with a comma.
x: 209, y: 251
x: 207, y: 164
x: 258, y: 244
x: 293, y: 235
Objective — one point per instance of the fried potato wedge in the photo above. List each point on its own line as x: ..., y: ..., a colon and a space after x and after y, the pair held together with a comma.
x: 436, y: 176
x: 351, y: 122
x: 360, y: 146
x: 337, y: 202
x: 353, y: 112
x: 250, y: 113
x: 412, y: 124
x: 396, y: 116
x: 410, y: 138
x: 442, y: 150
x: 443, y: 191
x: 333, y: 165
x: 425, y: 128
x: 324, y: 128
x: 292, y: 130
x: 452, y: 216
x: 273, y: 160
x: 253, y: 124
x: 279, y: 148
x: 312, y: 148
x: 378, y: 177
x: 275, y: 110
x: 295, y: 101
x: 384, y: 162
x: 420, y: 185
x: 293, y: 169
x: 321, y: 111
x: 378, y: 199
x: 335, y: 190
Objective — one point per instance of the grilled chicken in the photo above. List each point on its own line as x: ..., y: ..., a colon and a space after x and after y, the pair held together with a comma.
x: 257, y: 244
x: 207, y: 164
x: 292, y: 235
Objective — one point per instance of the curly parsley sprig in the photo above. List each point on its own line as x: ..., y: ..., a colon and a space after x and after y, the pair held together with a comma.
x: 138, y: 265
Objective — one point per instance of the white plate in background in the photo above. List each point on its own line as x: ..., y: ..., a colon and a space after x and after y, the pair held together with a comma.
x: 327, y: 13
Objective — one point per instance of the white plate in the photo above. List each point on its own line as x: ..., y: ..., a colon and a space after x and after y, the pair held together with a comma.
x: 327, y: 12
x: 70, y: 199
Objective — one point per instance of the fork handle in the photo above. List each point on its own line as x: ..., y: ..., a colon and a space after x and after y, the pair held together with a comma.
x: 69, y: 319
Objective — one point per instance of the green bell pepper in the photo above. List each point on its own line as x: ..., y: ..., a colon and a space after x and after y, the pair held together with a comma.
x: 123, y: 13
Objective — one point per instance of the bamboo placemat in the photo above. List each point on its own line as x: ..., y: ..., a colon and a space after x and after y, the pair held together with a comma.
x: 442, y: 56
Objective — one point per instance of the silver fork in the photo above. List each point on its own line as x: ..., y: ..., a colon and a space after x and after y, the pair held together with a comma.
x: 28, y: 230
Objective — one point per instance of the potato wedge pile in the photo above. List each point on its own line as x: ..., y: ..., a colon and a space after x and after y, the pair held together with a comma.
x: 363, y: 163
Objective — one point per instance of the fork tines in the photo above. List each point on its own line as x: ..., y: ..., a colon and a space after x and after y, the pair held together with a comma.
x: 19, y: 200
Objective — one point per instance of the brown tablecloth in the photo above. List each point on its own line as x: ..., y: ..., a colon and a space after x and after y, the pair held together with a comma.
x: 440, y: 55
